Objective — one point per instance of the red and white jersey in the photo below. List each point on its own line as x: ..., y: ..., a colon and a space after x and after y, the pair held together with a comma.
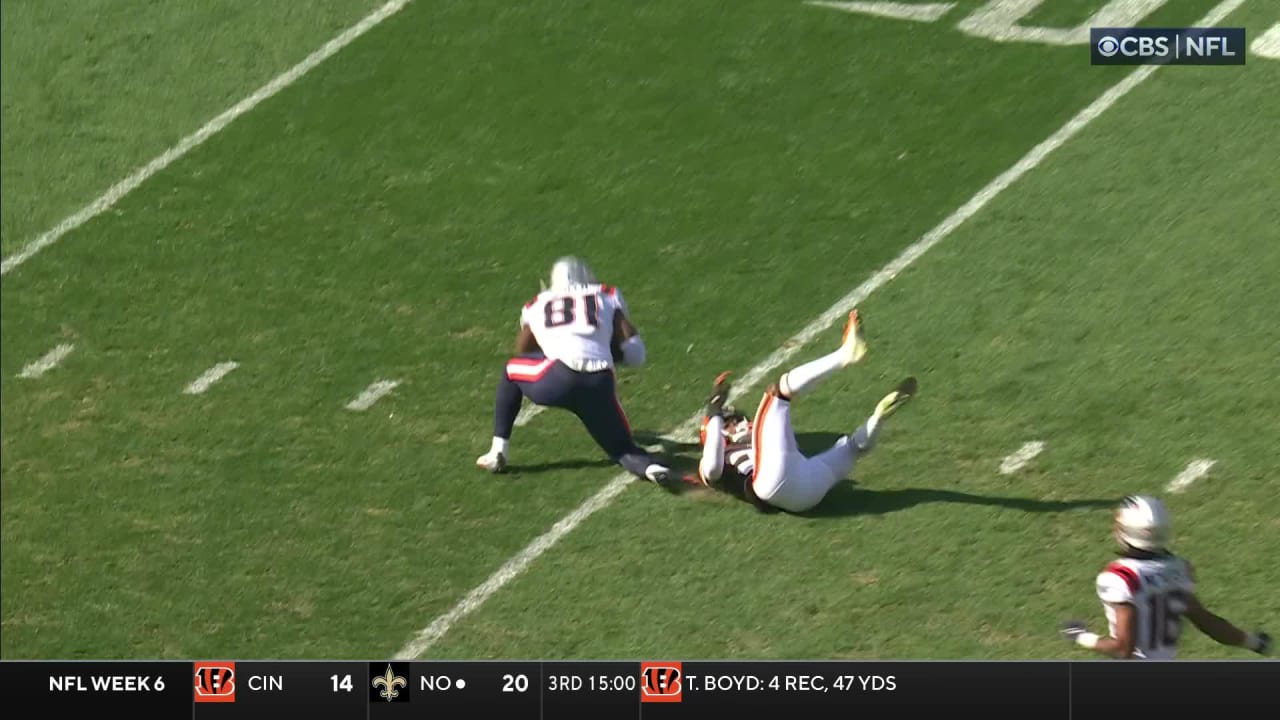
x: 1158, y: 589
x: 575, y: 326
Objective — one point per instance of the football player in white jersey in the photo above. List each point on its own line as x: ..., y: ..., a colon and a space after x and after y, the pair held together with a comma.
x: 571, y: 335
x: 1148, y: 591
x: 758, y: 460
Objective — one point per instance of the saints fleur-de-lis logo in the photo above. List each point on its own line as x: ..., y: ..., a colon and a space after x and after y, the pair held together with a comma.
x: 389, y: 683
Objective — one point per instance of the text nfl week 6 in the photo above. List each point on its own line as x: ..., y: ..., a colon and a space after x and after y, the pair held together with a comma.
x: 71, y: 682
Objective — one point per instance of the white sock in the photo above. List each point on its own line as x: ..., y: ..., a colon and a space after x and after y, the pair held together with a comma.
x: 499, y: 446
x: 802, y: 379
x: 865, y: 437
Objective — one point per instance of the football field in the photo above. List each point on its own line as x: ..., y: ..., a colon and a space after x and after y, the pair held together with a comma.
x: 248, y: 362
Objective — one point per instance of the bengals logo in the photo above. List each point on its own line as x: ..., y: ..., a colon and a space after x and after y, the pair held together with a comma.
x: 661, y: 682
x: 215, y: 682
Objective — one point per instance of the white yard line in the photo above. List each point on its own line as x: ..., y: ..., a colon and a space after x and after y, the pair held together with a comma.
x: 210, y: 376
x: 1268, y: 43
x: 1019, y: 458
x: 47, y: 362
x: 165, y: 159
x: 1193, y: 472
x: 372, y: 394
x: 436, y: 629
x: 928, y: 12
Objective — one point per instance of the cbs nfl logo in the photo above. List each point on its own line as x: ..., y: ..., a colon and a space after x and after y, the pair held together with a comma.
x: 1166, y: 46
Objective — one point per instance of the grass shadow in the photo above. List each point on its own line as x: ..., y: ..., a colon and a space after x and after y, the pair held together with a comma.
x: 646, y: 438
x: 846, y: 499
x: 578, y: 464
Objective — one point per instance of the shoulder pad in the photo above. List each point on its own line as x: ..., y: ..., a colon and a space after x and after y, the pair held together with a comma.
x: 1118, y: 583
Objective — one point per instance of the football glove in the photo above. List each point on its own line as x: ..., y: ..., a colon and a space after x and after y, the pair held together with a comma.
x: 1071, y: 629
x: 1077, y: 634
x: 1259, y: 642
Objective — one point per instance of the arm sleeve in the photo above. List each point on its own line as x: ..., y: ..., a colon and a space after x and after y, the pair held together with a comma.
x: 711, y: 465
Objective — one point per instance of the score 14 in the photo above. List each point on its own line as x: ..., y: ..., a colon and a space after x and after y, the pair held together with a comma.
x: 343, y: 684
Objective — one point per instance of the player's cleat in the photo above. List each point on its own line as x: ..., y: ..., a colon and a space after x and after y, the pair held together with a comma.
x: 719, y: 395
x: 853, y: 344
x: 1259, y: 642
x: 657, y: 473
x: 661, y: 475
x: 896, y: 399
x: 494, y: 462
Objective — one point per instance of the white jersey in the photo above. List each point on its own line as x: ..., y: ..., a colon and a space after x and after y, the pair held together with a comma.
x: 1158, y: 589
x: 575, y: 326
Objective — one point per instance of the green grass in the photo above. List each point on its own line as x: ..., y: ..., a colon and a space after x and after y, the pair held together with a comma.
x: 1131, y: 340
x: 734, y: 171
x: 93, y: 89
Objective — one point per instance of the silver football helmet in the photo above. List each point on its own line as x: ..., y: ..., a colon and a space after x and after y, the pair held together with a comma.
x: 569, y: 271
x: 1143, y: 522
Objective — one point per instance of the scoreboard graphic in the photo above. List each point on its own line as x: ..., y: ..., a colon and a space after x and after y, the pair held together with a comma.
x: 368, y: 690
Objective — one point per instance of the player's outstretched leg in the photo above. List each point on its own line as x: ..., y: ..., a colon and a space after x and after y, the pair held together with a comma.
x: 865, y: 437
x: 598, y: 408
x: 841, y: 458
x: 506, y: 406
x: 853, y: 347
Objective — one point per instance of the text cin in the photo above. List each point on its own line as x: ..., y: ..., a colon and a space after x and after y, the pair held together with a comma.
x: 266, y: 683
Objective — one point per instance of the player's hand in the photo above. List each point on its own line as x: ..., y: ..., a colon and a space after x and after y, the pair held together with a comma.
x: 1262, y: 644
x: 1073, y: 629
